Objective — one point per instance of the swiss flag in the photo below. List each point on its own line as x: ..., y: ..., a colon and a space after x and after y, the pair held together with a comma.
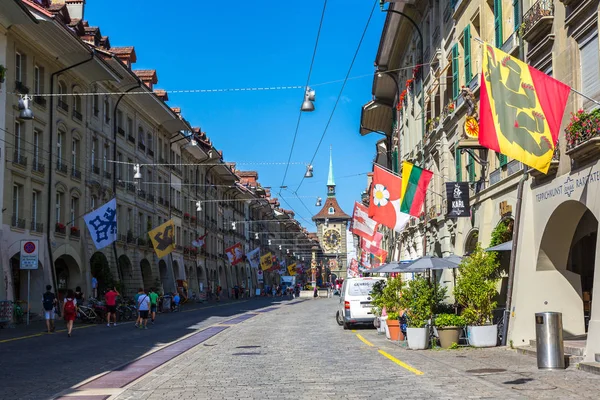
x: 362, y: 225
x: 384, y: 205
x: 373, y: 245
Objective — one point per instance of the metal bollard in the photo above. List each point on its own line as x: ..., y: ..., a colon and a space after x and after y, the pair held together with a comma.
x: 549, y: 340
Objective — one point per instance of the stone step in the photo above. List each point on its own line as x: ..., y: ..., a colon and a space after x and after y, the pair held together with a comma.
x: 572, y: 350
x: 570, y: 360
x: 593, y: 367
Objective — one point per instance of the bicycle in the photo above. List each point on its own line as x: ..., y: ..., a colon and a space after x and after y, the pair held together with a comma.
x: 87, y: 314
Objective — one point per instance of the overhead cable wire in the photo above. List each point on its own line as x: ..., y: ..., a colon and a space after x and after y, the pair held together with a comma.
x: 342, y: 88
x: 312, y: 61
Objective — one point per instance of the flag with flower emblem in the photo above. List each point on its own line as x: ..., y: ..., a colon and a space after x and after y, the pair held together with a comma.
x: 384, y: 206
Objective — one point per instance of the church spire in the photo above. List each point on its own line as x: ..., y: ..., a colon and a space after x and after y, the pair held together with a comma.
x: 330, y: 180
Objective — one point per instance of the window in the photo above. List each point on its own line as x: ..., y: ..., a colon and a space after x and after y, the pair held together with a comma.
x: 129, y: 126
x: 18, y: 140
x: 119, y: 165
x: 62, y: 96
x: 74, y: 211
x: 77, y: 107
x: 471, y: 168
x: 455, y: 83
x: 74, y: 148
x: 331, y: 210
x: 34, y: 209
x: 94, y: 147
x: 160, y: 150
x: 58, y: 206
x: 149, y: 223
x: 458, y: 160
x: 17, y: 200
x: 498, y: 23
x: 590, y: 70
x: 59, y: 142
x: 467, y: 58
x: 106, y: 111
x: 105, y: 157
x: 38, y: 79
x: 93, y: 204
x: 130, y: 219
x: 129, y: 169
x: 19, y: 67
x: 120, y: 120
x: 139, y: 224
x: 517, y: 14
x: 96, y: 105
x: 149, y: 141
x: 37, y: 145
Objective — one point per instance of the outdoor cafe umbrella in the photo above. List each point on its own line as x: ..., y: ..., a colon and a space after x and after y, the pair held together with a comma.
x: 385, y: 268
x: 506, y: 246
x: 429, y: 262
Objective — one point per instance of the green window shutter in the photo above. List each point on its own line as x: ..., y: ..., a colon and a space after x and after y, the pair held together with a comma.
x: 455, y: 83
x: 467, y: 47
x: 395, y: 160
x: 458, y: 160
x: 503, y: 159
x: 498, y: 23
x: 517, y: 14
x: 471, y: 168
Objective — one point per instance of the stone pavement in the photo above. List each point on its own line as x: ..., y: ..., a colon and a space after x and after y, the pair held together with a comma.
x: 297, y: 351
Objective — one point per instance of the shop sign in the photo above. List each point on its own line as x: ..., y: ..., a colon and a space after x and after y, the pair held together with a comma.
x: 457, y: 197
x: 568, y: 186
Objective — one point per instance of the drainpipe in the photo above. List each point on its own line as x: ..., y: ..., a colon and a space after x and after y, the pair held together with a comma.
x: 50, y: 124
x: 516, y: 228
x: 114, y: 186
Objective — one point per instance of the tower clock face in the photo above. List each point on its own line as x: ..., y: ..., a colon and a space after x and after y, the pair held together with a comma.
x: 332, y: 238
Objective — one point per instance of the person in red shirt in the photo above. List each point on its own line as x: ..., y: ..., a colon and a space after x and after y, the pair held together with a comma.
x: 111, y: 305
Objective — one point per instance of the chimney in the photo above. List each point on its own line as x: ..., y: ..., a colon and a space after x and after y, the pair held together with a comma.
x: 76, y: 8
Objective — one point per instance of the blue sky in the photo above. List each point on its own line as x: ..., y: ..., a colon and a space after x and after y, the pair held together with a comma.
x: 211, y: 44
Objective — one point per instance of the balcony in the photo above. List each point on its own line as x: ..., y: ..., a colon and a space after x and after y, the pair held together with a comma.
x: 161, y: 201
x: 62, y: 105
x: 131, y: 139
x: 141, y: 146
x: 61, y: 167
x: 75, y: 232
x: 21, y: 88
x: 141, y: 241
x: 19, y: 159
x: 75, y: 173
x: 121, y: 238
x: 161, y: 160
x: 17, y: 222
x: 511, y: 46
x: 166, y: 203
x: 537, y: 21
x: 120, y: 183
x: 121, y: 131
x: 131, y: 187
x: 107, y: 175
x: 60, y: 228
x: 96, y: 169
x: 150, y: 153
x: 141, y: 194
x: 77, y: 116
x: 36, y: 227
x: 150, y: 198
x: 38, y: 167
x: 40, y: 101
x: 130, y: 238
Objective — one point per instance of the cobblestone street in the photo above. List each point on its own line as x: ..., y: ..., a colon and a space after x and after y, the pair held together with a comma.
x: 297, y: 351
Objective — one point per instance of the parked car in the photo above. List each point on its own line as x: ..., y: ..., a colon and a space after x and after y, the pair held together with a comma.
x: 355, y: 302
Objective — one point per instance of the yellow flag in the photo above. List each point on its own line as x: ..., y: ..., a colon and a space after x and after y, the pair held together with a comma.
x: 266, y: 262
x: 292, y: 269
x: 163, y: 238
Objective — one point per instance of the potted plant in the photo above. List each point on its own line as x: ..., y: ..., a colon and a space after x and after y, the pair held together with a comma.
x: 475, y: 291
x: 418, y: 299
x: 448, y: 328
x: 390, y: 300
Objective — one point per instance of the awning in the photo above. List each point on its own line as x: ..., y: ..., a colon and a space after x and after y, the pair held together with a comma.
x: 506, y: 246
x: 376, y: 117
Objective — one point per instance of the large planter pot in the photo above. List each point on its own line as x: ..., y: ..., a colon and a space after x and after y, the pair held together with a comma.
x: 394, y: 330
x: 483, y: 336
x: 448, y: 335
x: 417, y: 338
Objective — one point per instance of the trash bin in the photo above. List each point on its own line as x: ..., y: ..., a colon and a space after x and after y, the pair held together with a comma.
x: 549, y: 340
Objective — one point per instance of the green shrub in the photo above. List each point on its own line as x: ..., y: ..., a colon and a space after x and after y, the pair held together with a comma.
x: 418, y: 299
x: 445, y: 320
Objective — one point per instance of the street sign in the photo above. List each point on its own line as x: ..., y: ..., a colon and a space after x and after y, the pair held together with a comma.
x: 29, y: 254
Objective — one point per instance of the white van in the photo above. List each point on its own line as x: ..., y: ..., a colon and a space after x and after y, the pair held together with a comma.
x: 355, y: 302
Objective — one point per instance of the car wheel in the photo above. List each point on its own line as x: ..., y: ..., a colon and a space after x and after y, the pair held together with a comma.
x: 339, y: 319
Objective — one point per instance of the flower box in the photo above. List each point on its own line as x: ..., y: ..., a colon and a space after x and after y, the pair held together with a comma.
x: 583, y: 136
x: 60, y: 228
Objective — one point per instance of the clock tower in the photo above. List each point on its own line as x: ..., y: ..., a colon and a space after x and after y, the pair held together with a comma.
x: 332, y: 226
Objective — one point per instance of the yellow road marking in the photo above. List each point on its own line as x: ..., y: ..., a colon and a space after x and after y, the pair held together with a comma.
x: 400, y: 363
x: 365, y: 341
x: 43, y: 333
x: 353, y: 330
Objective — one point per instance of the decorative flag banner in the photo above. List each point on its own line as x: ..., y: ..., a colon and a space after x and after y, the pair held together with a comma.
x: 200, y: 242
x: 521, y: 109
x: 300, y: 268
x: 365, y: 259
x: 414, y: 187
x: 457, y: 195
x: 266, y: 262
x: 163, y: 238
x: 352, y: 272
x: 385, y: 200
x: 292, y: 269
x: 282, y: 268
x: 274, y: 263
x: 235, y: 253
x: 362, y: 225
x: 102, y: 224
x: 372, y: 245
x: 254, y: 257
x: 379, y: 257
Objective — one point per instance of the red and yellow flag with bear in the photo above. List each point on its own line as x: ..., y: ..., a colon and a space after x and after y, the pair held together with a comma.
x: 521, y: 109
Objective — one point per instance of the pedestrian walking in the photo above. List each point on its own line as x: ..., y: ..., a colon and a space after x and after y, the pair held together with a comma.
x: 176, y: 301
x: 136, y: 300
x: 218, y: 293
x: 110, y: 298
x: 153, y: 304
x: 94, y: 287
x: 79, y: 296
x: 143, y: 306
x: 236, y: 292
x: 69, y: 310
x: 48, y: 303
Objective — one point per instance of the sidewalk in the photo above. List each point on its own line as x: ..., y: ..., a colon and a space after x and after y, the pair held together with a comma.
x: 38, y: 326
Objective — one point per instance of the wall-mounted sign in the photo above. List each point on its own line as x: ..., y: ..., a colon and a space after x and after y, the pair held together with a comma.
x: 29, y: 254
x: 457, y: 195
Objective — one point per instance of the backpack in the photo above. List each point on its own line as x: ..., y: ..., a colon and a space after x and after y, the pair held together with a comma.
x: 70, y: 307
x: 48, y: 301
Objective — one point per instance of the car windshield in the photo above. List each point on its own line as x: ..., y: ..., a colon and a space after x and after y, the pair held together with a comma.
x: 361, y: 287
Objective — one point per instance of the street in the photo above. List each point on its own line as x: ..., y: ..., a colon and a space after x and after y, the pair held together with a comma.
x: 267, y: 348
